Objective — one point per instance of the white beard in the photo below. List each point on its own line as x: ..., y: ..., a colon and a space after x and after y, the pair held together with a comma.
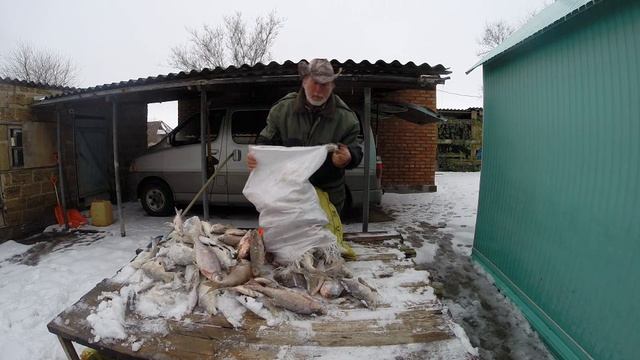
x: 315, y: 102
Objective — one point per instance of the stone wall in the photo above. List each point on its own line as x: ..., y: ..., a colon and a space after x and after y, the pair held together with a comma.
x: 27, y: 197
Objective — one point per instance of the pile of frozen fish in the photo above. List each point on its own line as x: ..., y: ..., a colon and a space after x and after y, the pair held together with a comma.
x: 208, y: 263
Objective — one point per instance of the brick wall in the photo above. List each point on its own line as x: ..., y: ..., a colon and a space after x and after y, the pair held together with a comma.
x: 408, y: 150
x: 26, y: 194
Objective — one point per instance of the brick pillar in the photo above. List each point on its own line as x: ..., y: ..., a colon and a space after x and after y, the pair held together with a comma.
x: 408, y: 150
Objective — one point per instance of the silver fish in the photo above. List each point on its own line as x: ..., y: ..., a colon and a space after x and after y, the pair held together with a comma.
x: 331, y: 289
x: 178, y: 222
x: 230, y: 239
x: 235, y: 232
x: 243, y: 290
x: 245, y: 244
x: 155, y: 270
x: 258, y: 308
x: 180, y: 254
x: 291, y: 300
x: 191, y: 276
x: 206, y: 260
x: 314, y: 281
x: 361, y: 291
x: 192, y: 229
x: 257, y: 254
x: 218, y: 228
x: 208, y: 297
x: 206, y: 228
x: 225, y: 256
x: 237, y: 275
x: 289, y: 278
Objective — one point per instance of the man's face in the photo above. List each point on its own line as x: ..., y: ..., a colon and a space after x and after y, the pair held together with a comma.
x: 317, y: 93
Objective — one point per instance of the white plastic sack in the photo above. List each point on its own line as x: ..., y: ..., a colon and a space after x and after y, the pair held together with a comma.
x: 290, y: 212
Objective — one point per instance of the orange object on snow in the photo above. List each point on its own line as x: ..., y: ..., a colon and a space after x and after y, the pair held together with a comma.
x: 75, y: 218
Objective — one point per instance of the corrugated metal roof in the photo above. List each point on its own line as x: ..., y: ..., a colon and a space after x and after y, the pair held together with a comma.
x: 552, y: 15
x: 32, y: 84
x: 287, y: 68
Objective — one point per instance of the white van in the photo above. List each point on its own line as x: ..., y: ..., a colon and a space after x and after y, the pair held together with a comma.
x: 170, y: 171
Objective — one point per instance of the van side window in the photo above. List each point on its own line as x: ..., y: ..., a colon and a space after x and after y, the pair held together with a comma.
x: 189, y: 131
x: 247, y: 124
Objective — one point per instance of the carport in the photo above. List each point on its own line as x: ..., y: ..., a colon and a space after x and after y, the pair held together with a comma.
x: 108, y: 105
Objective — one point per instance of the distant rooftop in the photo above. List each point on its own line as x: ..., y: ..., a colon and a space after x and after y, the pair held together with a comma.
x: 10, y: 81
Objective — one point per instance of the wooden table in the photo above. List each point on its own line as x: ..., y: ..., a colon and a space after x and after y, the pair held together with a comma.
x: 418, y: 329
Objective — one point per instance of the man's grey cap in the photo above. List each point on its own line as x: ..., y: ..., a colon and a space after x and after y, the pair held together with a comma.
x: 319, y: 69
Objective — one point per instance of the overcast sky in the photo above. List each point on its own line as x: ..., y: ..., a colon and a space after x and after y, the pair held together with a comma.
x: 117, y: 40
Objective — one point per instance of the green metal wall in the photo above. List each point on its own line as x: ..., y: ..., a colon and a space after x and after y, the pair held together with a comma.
x: 559, y: 210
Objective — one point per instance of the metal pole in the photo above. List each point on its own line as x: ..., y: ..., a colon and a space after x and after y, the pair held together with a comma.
x: 61, y: 170
x: 116, y: 165
x: 367, y: 145
x: 203, y: 153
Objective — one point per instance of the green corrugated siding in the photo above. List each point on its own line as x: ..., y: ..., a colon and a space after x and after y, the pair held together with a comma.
x: 559, y: 209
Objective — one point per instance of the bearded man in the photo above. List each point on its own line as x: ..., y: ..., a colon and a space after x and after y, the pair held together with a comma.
x: 316, y: 116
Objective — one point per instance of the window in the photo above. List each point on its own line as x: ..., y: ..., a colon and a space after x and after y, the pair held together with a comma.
x: 189, y: 131
x: 17, y: 154
x: 246, y: 125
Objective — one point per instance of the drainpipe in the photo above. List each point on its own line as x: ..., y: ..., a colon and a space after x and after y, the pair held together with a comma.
x: 116, y: 165
x: 60, y: 169
x: 367, y: 145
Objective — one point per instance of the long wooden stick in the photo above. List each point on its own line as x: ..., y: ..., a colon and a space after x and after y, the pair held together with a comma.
x: 206, y: 185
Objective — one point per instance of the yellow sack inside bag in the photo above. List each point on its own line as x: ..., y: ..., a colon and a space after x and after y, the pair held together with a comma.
x: 92, y: 354
x: 335, y: 224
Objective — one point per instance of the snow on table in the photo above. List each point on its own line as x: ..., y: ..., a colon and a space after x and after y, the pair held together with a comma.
x: 408, y: 321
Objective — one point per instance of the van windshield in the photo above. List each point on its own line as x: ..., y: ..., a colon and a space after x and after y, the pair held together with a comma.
x: 189, y: 131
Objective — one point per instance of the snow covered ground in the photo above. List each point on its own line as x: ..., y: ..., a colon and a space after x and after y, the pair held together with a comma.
x: 33, y: 289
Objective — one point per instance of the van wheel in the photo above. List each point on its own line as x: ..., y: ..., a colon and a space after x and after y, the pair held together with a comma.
x: 156, y: 198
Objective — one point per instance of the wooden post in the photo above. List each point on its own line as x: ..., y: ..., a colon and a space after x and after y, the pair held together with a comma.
x: 63, y: 199
x: 68, y: 348
x: 367, y: 146
x: 116, y: 165
x: 203, y: 145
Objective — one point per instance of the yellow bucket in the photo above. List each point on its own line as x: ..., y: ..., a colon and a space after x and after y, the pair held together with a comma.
x: 101, y: 213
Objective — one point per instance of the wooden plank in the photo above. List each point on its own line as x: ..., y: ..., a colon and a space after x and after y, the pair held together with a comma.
x: 68, y: 348
x: 420, y: 324
x: 372, y: 236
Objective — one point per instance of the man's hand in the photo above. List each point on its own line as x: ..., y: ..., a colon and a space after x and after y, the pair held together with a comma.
x: 251, y: 161
x: 341, y: 157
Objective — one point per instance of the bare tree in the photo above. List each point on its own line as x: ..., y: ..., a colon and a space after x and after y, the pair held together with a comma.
x: 38, y: 65
x: 494, y: 34
x: 231, y: 44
